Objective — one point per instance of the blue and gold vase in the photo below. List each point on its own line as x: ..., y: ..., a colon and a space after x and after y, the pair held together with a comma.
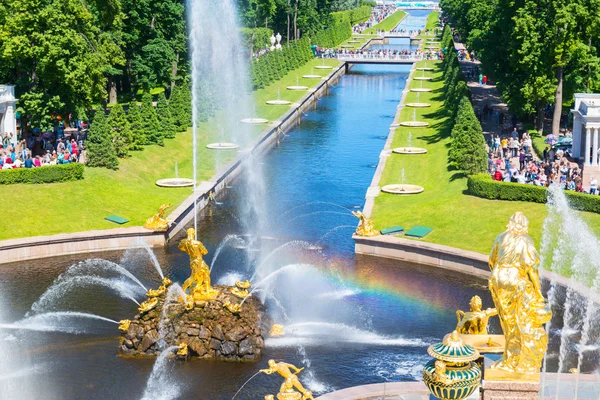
x: 452, y: 375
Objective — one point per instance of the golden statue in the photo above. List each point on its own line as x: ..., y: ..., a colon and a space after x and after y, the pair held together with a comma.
x: 276, y: 330
x: 158, y: 222
x: 241, y: 289
x: 199, y: 280
x: 440, y: 374
x: 286, y: 391
x: 148, y: 305
x: 365, y: 227
x: 474, y: 322
x: 182, y: 350
x: 124, y: 325
x: 269, y: 397
x: 522, y: 309
x: 166, y: 282
x: 233, y: 308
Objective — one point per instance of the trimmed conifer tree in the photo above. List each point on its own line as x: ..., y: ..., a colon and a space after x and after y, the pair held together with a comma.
x: 164, y: 117
x: 134, y: 116
x: 99, y: 146
x: 150, y: 125
x: 120, y: 130
x: 467, y: 150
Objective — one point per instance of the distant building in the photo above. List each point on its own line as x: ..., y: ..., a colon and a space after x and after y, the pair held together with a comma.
x: 8, y: 122
x: 586, y: 133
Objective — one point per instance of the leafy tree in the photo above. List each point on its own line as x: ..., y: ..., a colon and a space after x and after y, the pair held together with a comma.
x: 150, y: 127
x: 99, y: 147
x: 120, y: 131
x: 164, y: 117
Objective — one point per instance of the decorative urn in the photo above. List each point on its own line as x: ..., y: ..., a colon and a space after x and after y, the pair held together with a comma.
x: 452, y: 374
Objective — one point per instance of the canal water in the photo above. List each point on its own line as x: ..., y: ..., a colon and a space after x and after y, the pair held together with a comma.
x: 350, y: 320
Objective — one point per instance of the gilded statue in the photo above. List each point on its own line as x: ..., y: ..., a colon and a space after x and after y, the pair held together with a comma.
x: 516, y: 290
x: 148, y: 305
x: 277, y: 330
x: 241, y: 289
x: 365, y: 227
x: 158, y: 222
x: 199, y: 281
x: 124, y: 325
x: 290, y: 383
x: 474, y: 322
x: 440, y: 375
x: 182, y: 350
x: 166, y: 282
x: 233, y: 308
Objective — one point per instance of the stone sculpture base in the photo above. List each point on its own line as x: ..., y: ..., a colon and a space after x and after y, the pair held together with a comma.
x: 513, y: 390
x: 210, y: 330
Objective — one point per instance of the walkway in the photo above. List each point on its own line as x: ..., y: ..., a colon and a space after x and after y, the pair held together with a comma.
x: 375, y: 58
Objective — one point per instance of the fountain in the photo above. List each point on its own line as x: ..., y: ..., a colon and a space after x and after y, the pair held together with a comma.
x: 312, y: 75
x: 297, y: 86
x: 323, y: 66
x: 422, y: 77
x: 254, y: 121
x: 409, y: 149
x: 222, y: 145
x: 402, y: 189
x: 209, y: 320
x: 175, y: 182
x: 278, y: 102
x: 414, y: 123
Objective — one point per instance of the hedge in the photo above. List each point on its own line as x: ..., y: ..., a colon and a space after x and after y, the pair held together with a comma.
x: 46, y: 174
x: 482, y: 185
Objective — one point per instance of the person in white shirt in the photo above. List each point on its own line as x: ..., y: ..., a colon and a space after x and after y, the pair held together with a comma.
x: 593, y: 185
x: 18, y: 163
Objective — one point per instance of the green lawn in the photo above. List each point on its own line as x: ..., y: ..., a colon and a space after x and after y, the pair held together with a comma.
x: 361, y: 39
x: 459, y: 220
x: 130, y: 192
x: 388, y: 23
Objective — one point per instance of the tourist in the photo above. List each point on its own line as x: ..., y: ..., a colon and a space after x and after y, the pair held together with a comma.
x: 29, y: 162
x: 593, y: 185
x: 485, y: 78
x: 18, y: 163
x: 480, y: 79
x: 497, y: 175
x: 37, y: 161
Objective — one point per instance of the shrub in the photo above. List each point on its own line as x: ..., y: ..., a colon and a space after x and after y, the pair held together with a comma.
x: 120, y: 130
x: 150, y: 125
x: 100, y: 149
x: 467, y: 150
x: 164, y: 117
x: 482, y: 185
x: 47, y: 174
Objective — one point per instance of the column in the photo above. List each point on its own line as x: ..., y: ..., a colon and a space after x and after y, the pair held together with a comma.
x: 576, y: 135
x: 595, y: 149
x: 10, y: 123
x: 587, y: 145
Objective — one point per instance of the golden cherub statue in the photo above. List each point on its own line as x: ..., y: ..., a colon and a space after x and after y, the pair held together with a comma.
x: 158, y: 222
x: 286, y: 391
x: 277, y: 330
x: 440, y: 374
x: 365, y: 227
x: 516, y: 290
x: 182, y: 350
x: 199, y: 280
x: 474, y: 322
x: 166, y: 282
x: 124, y: 325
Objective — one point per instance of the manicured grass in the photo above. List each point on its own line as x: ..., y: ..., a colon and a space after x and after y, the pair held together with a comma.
x: 433, y: 20
x: 388, y: 23
x: 362, y: 39
x: 459, y: 220
x: 130, y: 192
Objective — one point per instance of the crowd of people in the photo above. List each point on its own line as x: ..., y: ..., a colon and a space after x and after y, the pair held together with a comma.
x: 511, y: 159
x: 378, y: 14
x: 41, y: 149
x: 323, y: 52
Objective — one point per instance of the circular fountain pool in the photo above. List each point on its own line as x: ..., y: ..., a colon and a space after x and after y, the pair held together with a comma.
x: 402, y: 189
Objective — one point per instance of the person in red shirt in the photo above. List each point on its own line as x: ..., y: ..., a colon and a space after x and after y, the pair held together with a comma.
x: 484, y: 80
x: 497, y: 175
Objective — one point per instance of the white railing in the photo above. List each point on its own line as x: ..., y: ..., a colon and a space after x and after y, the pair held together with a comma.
x: 398, y: 34
x: 374, y: 57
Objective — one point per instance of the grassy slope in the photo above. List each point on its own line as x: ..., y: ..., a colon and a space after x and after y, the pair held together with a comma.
x: 459, y: 220
x: 130, y: 192
x: 388, y: 23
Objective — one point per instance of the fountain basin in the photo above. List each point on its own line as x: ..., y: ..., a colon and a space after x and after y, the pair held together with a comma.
x: 425, y: 69
x: 418, y: 105
x: 254, y: 121
x: 432, y: 47
x: 409, y: 150
x: 297, y: 87
x: 347, y: 47
x: 323, y: 67
x: 421, y: 90
x: 433, y: 42
x: 422, y: 78
x: 222, y: 146
x: 353, y: 41
x: 415, y: 124
x: 209, y: 329
x: 279, y: 102
x: 310, y: 76
x: 175, y: 182
x: 402, y: 189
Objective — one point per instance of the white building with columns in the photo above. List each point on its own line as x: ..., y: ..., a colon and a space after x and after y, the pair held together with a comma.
x: 8, y: 123
x: 586, y: 133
